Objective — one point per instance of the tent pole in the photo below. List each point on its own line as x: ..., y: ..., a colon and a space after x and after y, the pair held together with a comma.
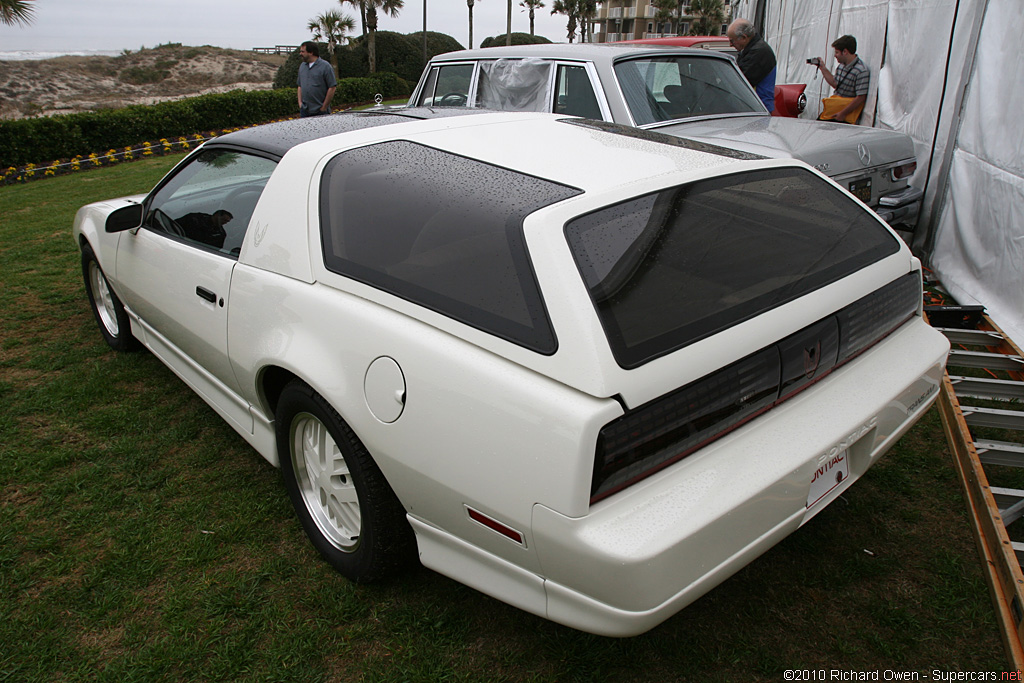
x: 924, y: 241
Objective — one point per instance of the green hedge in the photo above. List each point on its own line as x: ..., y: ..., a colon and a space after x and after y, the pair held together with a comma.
x: 396, y: 53
x: 517, y: 39
x: 352, y: 90
x: 42, y: 139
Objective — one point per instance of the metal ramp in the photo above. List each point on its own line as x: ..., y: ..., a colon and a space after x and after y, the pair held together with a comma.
x: 982, y: 407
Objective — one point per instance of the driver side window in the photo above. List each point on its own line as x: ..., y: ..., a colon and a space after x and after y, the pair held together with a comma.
x: 209, y: 202
x: 447, y: 86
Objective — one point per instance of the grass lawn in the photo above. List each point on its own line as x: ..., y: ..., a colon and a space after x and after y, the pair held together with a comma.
x: 142, y: 539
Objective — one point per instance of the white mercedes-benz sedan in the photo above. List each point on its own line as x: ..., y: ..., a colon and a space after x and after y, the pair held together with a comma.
x: 589, y: 370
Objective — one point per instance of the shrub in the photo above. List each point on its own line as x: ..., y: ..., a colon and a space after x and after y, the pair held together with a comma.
x: 25, y: 141
x: 437, y: 43
x: 397, y: 53
x: 288, y: 73
x: 517, y: 39
x: 355, y: 90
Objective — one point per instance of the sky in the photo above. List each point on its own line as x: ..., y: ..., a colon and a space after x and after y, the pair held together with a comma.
x: 115, y: 25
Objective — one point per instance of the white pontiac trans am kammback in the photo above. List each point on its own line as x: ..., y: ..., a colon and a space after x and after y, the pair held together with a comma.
x: 589, y: 370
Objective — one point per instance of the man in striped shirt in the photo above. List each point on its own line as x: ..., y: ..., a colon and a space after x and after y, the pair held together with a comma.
x: 852, y: 77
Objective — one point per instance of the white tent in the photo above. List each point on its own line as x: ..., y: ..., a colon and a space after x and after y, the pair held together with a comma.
x: 950, y: 74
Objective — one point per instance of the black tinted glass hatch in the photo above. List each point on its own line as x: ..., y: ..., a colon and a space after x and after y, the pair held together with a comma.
x: 441, y: 230
x: 667, y: 269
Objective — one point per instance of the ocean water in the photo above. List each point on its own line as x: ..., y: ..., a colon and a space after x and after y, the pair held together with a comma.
x: 23, y: 55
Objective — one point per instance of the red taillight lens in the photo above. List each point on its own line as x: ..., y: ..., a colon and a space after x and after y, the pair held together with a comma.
x: 663, y: 431
x: 904, y: 170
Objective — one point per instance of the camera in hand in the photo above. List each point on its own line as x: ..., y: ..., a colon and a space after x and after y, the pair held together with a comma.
x: 813, y: 60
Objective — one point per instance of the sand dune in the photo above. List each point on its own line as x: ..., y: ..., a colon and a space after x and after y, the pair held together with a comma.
x: 65, y: 85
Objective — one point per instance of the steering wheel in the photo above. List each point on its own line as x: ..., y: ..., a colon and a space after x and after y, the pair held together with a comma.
x: 453, y: 99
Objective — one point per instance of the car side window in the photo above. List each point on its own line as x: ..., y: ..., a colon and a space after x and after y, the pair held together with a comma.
x: 447, y: 86
x: 208, y: 203
x: 440, y: 230
x: 514, y: 84
x: 574, y: 93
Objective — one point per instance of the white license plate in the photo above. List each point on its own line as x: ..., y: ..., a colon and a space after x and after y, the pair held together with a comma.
x: 830, y: 474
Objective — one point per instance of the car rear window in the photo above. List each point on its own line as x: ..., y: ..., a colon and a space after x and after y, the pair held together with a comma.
x: 441, y: 230
x: 673, y: 87
x: 667, y: 269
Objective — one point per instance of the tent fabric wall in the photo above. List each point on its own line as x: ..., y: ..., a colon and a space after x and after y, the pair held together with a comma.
x: 947, y: 73
x: 978, y: 248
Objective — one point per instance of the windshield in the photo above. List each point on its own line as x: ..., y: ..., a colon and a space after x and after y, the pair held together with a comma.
x: 680, y: 86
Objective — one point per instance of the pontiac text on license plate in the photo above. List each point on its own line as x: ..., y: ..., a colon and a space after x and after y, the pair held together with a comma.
x: 830, y: 474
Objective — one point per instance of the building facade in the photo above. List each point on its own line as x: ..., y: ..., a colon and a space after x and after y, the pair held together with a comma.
x: 638, y: 19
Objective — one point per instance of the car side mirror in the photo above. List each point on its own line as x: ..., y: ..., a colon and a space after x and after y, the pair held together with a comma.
x: 125, y: 218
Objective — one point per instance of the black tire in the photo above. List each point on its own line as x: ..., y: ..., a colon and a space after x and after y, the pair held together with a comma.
x: 108, y: 310
x: 351, y: 516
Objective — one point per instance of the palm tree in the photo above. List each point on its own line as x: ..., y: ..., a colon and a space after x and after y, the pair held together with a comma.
x: 532, y: 5
x: 588, y: 10
x: 579, y: 13
x: 361, y: 4
x: 388, y: 7
x: 16, y: 12
x: 470, y: 3
x: 332, y: 27
x: 709, y: 14
x: 666, y: 9
x: 571, y: 9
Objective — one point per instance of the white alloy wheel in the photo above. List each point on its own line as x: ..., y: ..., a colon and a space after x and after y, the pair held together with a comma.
x: 325, y: 482
x: 342, y: 500
x: 111, y: 317
x: 102, y: 299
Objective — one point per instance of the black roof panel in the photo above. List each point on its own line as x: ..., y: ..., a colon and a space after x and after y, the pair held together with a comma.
x: 278, y: 138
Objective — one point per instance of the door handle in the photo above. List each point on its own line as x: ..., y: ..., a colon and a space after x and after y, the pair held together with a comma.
x: 206, y: 294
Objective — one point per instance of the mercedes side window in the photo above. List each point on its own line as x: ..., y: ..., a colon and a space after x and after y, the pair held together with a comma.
x: 209, y: 202
x: 574, y: 93
x: 514, y: 85
x: 447, y: 86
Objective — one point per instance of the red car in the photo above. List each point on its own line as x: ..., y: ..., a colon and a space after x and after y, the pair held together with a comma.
x: 790, y: 99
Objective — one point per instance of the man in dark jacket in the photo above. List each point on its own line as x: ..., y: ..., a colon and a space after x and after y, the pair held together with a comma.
x: 756, y: 60
x: 316, y: 82
x: 206, y: 228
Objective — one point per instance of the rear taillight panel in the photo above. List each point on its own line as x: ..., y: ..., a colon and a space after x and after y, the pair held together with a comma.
x: 643, y: 441
x: 904, y: 170
x: 662, y: 432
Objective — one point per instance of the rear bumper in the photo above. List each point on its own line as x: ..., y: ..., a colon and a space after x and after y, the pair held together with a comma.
x: 901, y: 209
x: 647, y: 552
